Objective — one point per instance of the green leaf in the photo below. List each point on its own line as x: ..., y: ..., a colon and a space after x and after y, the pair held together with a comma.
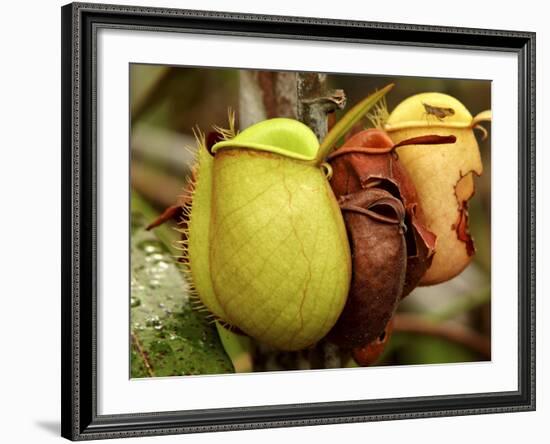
x: 348, y: 120
x: 168, y: 336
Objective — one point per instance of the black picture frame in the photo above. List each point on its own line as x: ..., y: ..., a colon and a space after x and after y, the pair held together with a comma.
x: 79, y: 205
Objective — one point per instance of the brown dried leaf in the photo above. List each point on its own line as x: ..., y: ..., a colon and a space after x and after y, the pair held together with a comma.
x: 366, y: 160
x: 374, y: 220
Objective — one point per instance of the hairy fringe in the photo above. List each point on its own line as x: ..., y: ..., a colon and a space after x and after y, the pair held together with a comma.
x: 379, y: 114
x: 182, y: 226
x: 227, y: 133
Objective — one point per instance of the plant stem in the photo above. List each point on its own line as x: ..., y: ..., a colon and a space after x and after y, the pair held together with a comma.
x: 451, y: 331
x: 315, y: 102
x: 348, y: 120
x: 463, y: 305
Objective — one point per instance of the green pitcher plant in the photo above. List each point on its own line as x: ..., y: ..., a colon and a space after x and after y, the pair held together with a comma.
x: 266, y: 242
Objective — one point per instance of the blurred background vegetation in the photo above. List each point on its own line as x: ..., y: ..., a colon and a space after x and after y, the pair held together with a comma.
x: 170, y: 337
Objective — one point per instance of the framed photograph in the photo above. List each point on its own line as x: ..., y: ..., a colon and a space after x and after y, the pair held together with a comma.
x: 275, y: 221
